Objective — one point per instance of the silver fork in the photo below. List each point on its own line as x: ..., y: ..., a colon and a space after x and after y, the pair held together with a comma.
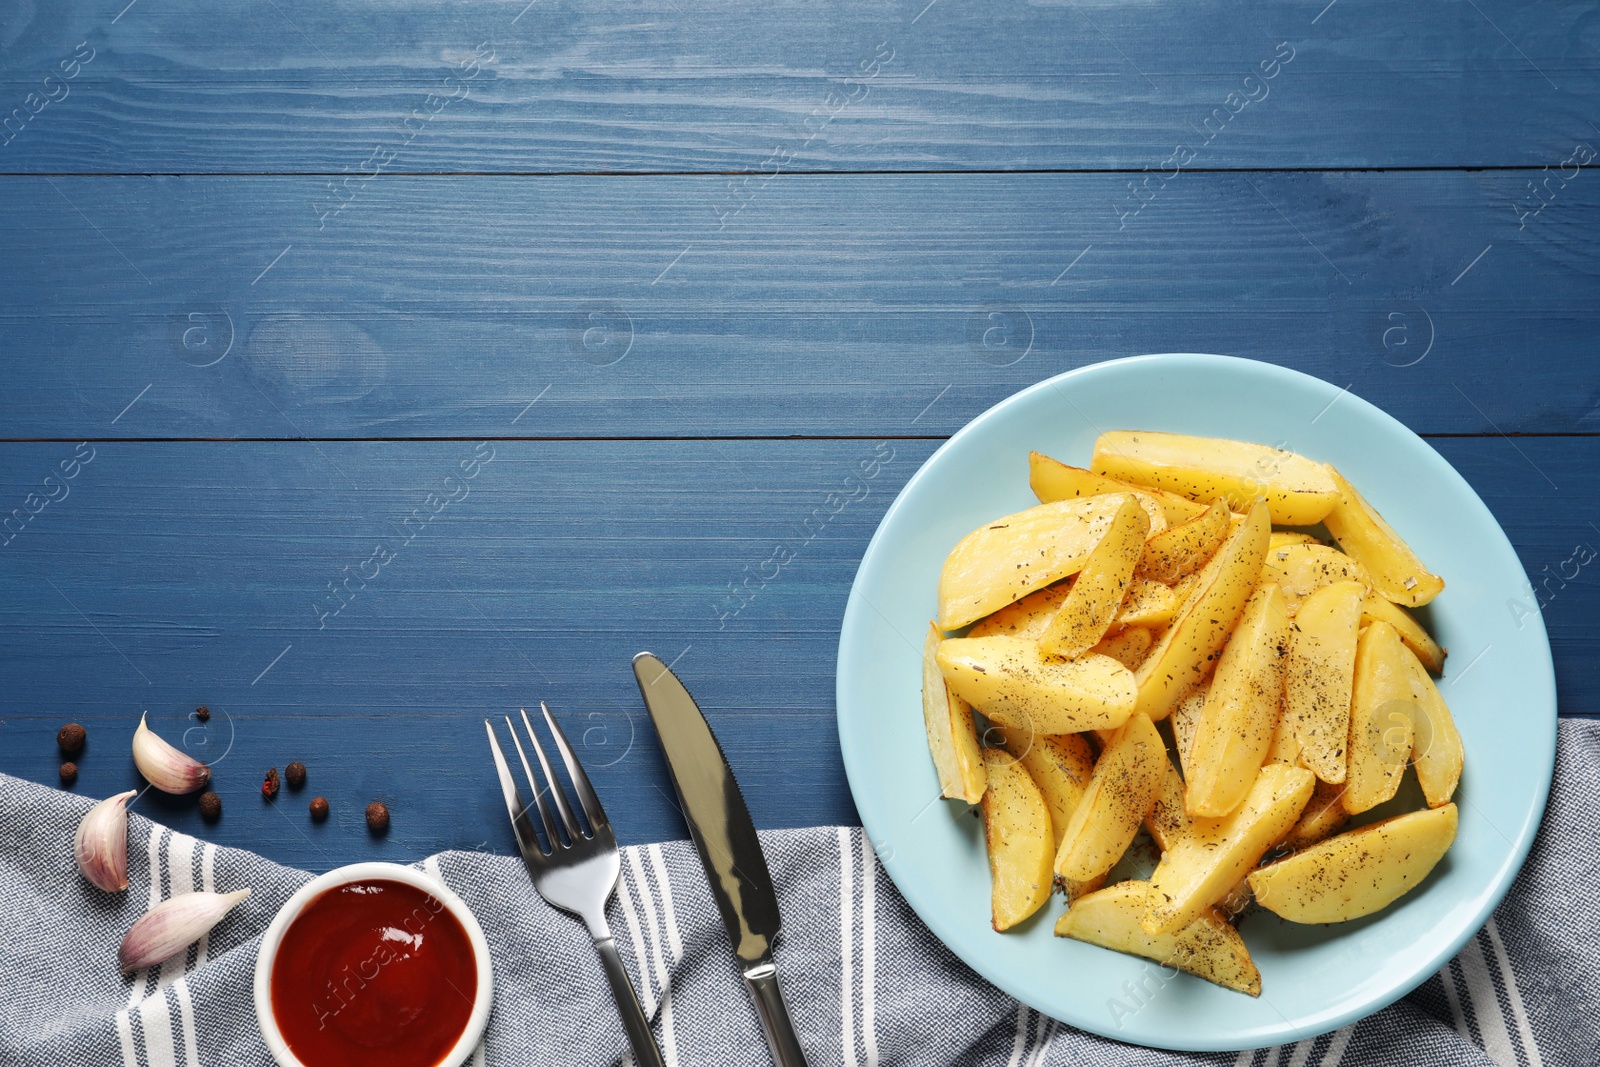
x: 579, y: 873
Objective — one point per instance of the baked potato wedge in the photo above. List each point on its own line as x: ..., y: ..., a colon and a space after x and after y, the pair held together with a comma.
x: 1285, y: 747
x: 1397, y: 574
x: 1167, y: 821
x: 1375, y: 608
x: 1298, y: 491
x: 1436, y: 749
x: 1005, y: 560
x: 1207, y: 948
x: 1016, y: 826
x: 1182, y: 549
x: 1209, y: 860
x: 952, y: 738
x: 1027, y: 618
x: 1358, y: 872
x: 1185, y: 717
x: 1324, y: 816
x: 1120, y: 793
x: 1302, y: 569
x: 1149, y: 604
x: 1097, y: 592
x: 1284, y: 538
x: 1184, y: 655
x: 1240, y: 715
x: 1012, y: 682
x: 1127, y: 646
x: 1321, y: 676
x: 1382, y: 720
x: 1061, y: 766
x: 1052, y: 480
x: 1236, y: 900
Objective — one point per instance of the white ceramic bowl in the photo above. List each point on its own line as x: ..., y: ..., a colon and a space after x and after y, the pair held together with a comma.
x: 366, y: 872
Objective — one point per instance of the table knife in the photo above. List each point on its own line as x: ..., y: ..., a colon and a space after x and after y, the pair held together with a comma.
x: 726, y: 839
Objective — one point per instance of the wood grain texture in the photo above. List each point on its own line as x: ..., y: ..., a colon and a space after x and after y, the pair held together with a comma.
x: 621, y: 85
x: 832, y: 305
x: 578, y: 222
x: 175, y: 574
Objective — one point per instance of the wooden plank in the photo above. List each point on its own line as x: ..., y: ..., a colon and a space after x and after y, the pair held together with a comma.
x: 306, y: 86
x: 833, y: 305
x: 201, y: 564
x: 176, y: 574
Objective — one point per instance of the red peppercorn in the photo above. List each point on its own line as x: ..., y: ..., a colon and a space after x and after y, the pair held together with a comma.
x: 70, y: 738
x: 210, y: 806
x: 69, y: 773
x: 378, y: 817
x: 295, y: 774
x: 203, y: 713
x: 269, y: 787
x: 319, y: 808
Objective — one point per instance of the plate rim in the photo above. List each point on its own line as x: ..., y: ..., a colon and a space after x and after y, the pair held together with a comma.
x: 1409, y: 977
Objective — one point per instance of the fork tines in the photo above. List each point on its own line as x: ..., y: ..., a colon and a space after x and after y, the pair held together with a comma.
x: 579, y: 871
x: 575, y: 835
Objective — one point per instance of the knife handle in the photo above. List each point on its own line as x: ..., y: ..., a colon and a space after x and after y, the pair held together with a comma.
x: 762, y: 980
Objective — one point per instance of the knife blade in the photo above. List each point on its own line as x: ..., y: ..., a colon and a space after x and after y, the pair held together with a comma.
x: 724, y: 835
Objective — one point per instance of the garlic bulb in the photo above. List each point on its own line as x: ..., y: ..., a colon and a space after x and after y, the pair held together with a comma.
x: 101, y: 844
x: 166, y: 768
x: 171, y: 926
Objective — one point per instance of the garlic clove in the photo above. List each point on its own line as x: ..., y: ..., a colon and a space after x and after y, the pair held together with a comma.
x: 101, y: 844
x: 171, y: 926
x: 165, y: 767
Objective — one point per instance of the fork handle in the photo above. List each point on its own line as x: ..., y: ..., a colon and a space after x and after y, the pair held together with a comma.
x: 634, y: 1022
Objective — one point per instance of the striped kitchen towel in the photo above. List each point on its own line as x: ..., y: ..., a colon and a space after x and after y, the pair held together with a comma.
x: 866, y: 982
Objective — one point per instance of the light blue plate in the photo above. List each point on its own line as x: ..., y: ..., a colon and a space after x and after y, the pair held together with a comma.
x: 1498, y: 680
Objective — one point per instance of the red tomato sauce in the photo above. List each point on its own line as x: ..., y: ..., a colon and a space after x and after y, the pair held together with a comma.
x: 374, y: 973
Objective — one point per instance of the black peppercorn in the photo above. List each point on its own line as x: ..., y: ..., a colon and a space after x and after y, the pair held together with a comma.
x: 319, y: 808
x: 210, y: 806
x: 295, y: 774
x: 203, y: 713
x: 377, y: 817
x: 70, y: 738
x: 269, y: 787
x: 69, y: 773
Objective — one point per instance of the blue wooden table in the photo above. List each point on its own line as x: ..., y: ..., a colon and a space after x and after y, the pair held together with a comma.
x: 371, y: 369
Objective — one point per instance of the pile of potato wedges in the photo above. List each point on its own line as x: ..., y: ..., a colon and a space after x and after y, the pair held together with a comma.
x: 1209, y: 641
